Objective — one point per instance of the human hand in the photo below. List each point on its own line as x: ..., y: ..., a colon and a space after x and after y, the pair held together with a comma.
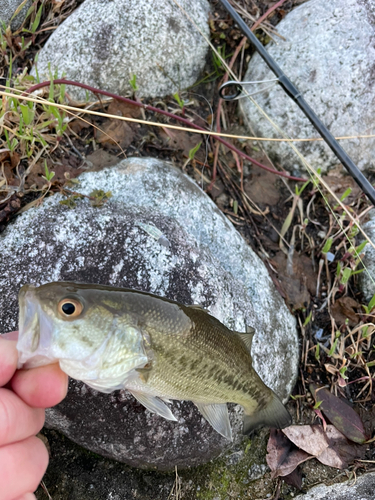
x: 23, y: 396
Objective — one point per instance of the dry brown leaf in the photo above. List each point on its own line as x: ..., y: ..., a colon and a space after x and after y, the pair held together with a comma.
x: 261, y: 187
x: 9, y: 208
x: 282, y: 458
x: 294, y: 478
x: 339, y: 181
x: 340, y: 452
x: 310, y: 438
x: 4, y: 154
x: 15, y: 159
x: 345, y: 308
x: 78, y: 125
x: 115, y: 131
x: 35, y: 178
x: 330, y: 447
x: 101, y: 159
x: 124, y: 109
x: 302, y: 268
x: 180, y: 140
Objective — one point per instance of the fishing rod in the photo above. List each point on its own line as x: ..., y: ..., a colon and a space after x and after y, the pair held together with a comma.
x: 297, y: 97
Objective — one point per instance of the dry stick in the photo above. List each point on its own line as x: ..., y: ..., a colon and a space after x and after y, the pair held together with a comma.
x: 266, y: 14
x: 219, y: 105
x: 62, y: 81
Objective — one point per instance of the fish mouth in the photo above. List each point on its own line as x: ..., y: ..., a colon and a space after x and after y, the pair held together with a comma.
x: 34, y: 329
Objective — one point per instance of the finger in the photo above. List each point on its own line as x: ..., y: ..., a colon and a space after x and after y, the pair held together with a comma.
x: 8, y: 360
x: 41, y: 387
x: 26, y: 496
x: 23, y: 465
x: 18, y: 420
x: 10, y: 335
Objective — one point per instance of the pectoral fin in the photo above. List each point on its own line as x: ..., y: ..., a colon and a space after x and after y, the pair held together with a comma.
x: 273, y: 415
x: 217, y: 416
x: 154, y: 405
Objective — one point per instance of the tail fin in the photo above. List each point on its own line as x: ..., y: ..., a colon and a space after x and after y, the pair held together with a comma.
x: 273, y: 415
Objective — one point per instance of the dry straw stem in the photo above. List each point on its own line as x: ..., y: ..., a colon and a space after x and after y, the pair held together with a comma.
x: 9, y: 93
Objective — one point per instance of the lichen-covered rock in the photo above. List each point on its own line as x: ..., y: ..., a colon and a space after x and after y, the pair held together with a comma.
x: 367, y: 277
x: 104, y: 44
x: 7, y: 10
x: 328, y: 54
x: 363, y: 488
x: 196, y: 258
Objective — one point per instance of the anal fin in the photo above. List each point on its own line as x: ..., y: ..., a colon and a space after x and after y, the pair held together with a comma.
x: 217, y: 416
x: 154, y: 405
x: 273, y: 415
x: 247, y: 338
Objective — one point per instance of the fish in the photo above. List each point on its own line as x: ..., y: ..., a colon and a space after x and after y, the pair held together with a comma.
x: 158, y: 349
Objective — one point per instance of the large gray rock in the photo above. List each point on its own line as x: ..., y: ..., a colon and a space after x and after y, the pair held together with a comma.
x: 363, y: 488
x: 104, y: 43
x: 328, y: 53
x: 367, y: 277
x: 8, y: 8
x: 201, y: 259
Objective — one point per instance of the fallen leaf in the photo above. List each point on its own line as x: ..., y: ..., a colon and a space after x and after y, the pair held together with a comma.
x: 282, y: 458
x: 368, y: 418
x: 114, y: 131
x: 339, y: 181
x: 4, y: 154
x: 330, y: 447
x: 340, y: 452
x: 345, y: 308
x: 101, y: 159
x: 180, y: 140
x: 340, y: 414
x: 294, y: 478
x: 310, y: 438
x: 78, y: 125
x: 7, y: 209
x: 124, y: 109
x: 260, y: 186
x: 35, y: 177
x: 302, y: 268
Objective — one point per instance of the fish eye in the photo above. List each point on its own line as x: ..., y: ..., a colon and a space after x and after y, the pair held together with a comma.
x: 70, y: 307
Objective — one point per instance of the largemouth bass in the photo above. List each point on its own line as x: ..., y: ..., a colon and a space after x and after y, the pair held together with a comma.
x: 159, y: 350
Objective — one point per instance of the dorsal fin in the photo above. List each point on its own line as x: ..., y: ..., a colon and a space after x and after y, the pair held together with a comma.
x: 199, y: 308
x: 247, y: 338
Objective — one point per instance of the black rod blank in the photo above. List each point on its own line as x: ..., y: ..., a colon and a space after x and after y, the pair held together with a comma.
x: 296, y: 95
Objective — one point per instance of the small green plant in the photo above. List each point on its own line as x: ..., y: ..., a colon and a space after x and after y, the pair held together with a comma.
x: 35, y: 24
x: 98, y: 197
x: 194, y: 151
x: 308, y: 319
x: 133, y: 83
x: 370, y: 306
x: 180, y: 102
x: 192, y: 154
x: 317, y: 404
x: 48, y: 175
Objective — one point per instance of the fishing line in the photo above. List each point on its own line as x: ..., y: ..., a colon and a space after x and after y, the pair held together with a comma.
x: 297, y: 97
